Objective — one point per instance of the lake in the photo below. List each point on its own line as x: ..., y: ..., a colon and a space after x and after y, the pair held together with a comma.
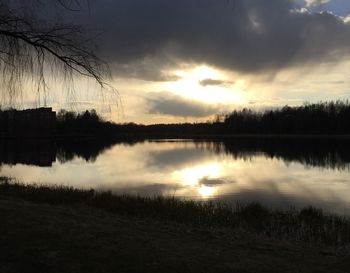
x: 278, y: 172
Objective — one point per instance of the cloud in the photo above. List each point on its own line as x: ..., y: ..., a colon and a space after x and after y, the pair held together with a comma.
x: 146, y: 69
x: 166, y: 103
x: 212, y: 82
x: 248, y: 36
x: 311, y: 3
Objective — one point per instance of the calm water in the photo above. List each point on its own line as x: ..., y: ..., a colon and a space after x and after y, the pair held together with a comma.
x: 277, y: 172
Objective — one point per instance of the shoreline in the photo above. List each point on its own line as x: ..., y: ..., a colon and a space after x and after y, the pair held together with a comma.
x: 66, y: 230
x: 203, y: 137
x: 309, y: 224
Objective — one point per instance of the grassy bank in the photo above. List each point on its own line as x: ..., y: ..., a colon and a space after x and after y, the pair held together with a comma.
x: 65, y: 230
x: 308, y: 225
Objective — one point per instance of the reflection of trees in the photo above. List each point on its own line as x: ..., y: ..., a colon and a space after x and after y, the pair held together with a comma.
x: 39, y: 153
x: 313, y: 152
x: 87, y: 149
x: 45, y: 152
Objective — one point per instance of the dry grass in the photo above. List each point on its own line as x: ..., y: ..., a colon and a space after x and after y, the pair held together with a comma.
x: 309, y: 225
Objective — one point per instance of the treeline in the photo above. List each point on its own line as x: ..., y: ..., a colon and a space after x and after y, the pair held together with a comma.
x: 319, y: 118
x: 89, y: 123
x: 331, y: 118
x: 84, y: 123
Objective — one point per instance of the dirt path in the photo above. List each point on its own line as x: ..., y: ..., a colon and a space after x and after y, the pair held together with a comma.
x: 45, y: 238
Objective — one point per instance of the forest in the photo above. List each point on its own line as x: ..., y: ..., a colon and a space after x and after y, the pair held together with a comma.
x: 319, y: 118
x: 324, y: 118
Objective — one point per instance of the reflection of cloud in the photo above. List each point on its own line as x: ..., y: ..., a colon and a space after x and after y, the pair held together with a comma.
x: 175, y: 158
x: 212, y: 82
x: 210, y: 182
x: 167, y: 103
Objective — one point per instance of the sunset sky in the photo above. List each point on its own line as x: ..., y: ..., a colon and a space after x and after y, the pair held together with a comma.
x: 187, y: 60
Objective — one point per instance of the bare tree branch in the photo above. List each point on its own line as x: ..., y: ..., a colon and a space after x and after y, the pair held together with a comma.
x: 28, y: 45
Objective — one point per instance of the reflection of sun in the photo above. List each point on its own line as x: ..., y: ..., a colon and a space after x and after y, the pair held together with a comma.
x: 206, y: 191
x: 193, y: 176
x: 189, y: 86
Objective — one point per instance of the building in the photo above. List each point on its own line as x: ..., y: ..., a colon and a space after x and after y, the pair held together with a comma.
x: 40, y: 122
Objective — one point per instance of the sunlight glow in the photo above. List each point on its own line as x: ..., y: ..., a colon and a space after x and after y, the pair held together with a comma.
x: 221, y: 91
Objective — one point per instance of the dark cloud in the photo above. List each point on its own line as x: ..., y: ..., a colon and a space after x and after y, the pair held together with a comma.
x: 249, y: 36
x: 147, y: 70
x: 211, y: 82
x: 166, y: 103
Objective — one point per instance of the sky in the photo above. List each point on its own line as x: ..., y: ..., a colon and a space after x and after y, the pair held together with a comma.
x: 188, y: 60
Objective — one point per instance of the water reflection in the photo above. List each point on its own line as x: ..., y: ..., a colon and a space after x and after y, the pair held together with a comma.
x: 313, y: 152
x: 44, y: 152
x: 39, y: 153
x: 277, y: 172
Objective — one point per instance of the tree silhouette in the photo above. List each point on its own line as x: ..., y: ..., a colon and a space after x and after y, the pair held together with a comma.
x: 318, y: 118
x: 30, y: 44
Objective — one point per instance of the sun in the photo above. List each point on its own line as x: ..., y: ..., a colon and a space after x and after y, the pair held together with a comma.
x: 205, y: 72
x: 198, y: 73
x: 225, y: 91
